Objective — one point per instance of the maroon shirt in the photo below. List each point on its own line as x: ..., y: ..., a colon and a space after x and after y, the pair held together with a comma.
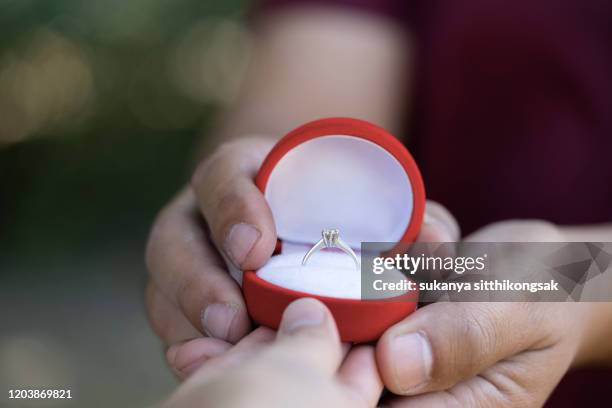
x: 513, y: 117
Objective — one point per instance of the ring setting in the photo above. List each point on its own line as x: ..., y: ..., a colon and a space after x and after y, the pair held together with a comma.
x: 330, y: 238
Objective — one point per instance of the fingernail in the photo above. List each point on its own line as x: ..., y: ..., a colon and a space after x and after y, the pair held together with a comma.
x: 175, y: 363
x: 240, y: 240
x: 189, y: 369
x: 171, y: 355
x: 412, y: 360
x: 301, y: 314
x: 443, y: 233
x: 217, y: 320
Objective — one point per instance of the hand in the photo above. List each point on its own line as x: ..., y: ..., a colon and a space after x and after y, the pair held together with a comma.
x: 222, y: 214
x: 485, y: 354
x: 301, y: 366
x: 189, y: 292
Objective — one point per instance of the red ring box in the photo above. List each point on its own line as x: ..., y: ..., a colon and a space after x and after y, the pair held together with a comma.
x: 335, y: 173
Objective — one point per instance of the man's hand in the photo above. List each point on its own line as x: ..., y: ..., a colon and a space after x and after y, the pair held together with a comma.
x: 222, y: 214
x: 301, y: 366
x: 485, y: 354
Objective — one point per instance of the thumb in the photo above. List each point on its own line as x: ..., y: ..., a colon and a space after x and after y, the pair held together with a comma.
x: 239, y: 218
x: 444, y: 343
x: 308, y: 336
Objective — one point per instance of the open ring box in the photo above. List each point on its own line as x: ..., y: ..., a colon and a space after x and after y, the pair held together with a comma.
x: 335, y: 173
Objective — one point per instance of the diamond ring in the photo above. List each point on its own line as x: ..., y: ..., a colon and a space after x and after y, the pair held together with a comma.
x: 331, y: 239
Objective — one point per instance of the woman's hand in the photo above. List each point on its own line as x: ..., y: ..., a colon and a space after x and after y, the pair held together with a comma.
x: 301, y: 366
x: 486, y: 354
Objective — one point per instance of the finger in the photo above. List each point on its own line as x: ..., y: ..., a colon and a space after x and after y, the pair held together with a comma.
x: 345, y: 348
x: 517, y: 231
x: 308, y: 336
x: 239, y: 217
x: 249, y: 346
x: 360, y: 374
x: 439, y: 225
x: 187, y: 357
x: 190, y: 356
x: 167, y: 320
x: 442, y: 230
x: 188, y: 271
x: 441, y: 344
x: 524, y: 380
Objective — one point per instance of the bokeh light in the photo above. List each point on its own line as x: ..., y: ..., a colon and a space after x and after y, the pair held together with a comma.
x: 45, y: 82
x: 210, y: 60
x: 102, y: 106
x: 37, y: 360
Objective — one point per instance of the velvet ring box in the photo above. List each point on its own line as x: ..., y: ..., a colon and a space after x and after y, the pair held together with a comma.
x: 335, y: 173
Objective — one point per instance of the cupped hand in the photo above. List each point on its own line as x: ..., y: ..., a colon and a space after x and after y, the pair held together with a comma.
x: 301, y: 366
x: 484, y: 354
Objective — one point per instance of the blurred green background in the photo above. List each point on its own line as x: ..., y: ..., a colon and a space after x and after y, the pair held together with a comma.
x: 102, y: 107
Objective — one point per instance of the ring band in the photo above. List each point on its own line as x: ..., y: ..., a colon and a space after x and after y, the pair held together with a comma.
x: 331, y: 239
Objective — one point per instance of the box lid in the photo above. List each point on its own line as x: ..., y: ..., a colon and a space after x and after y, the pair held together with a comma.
x: 343, y: 173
